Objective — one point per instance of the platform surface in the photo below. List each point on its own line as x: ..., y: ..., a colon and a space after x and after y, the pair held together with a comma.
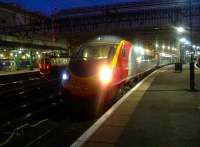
x: 161, y: 112
x: 4, y: 73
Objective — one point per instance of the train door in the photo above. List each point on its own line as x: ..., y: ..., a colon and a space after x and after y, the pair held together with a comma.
x: 124, y: 59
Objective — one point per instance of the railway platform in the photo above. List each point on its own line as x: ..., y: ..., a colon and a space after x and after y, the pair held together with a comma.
x: 160, y: 111
x: 4, y: 73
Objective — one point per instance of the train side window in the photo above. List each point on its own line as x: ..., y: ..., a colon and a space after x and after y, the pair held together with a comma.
x: 124, y: 52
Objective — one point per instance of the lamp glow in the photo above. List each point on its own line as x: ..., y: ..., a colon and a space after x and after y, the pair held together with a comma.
x: 180, y: 29
x: 156, y: 45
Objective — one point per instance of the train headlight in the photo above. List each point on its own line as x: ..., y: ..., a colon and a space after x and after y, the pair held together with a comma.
x: 65, y: 76
x: 105, y: 74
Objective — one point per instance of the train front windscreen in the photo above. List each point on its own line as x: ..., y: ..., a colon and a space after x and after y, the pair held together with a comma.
x: 102, y: 51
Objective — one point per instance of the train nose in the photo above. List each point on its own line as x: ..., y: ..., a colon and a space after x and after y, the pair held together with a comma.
x: 86, y: 68
x: 81, y: 87
x: 87, y: 77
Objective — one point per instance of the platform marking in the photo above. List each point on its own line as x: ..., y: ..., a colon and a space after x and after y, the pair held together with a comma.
x: 89, y: 132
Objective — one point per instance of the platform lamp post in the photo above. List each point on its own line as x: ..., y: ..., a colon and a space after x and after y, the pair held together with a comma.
x: 30, y: 60
x: 157, y: 52
x: 178, y: 65
x: 192, y: 74
x: 17, y: 59
x: 180, y: 30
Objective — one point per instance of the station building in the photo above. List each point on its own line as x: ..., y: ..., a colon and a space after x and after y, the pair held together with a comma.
x: 24, y: 50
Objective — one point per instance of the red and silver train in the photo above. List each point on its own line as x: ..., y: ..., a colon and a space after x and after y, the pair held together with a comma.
x: 105, y: 63
x: 45, y: 66
x: 52, y: 64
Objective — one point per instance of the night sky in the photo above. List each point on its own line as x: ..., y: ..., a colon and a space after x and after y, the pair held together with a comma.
x: 46, y: 7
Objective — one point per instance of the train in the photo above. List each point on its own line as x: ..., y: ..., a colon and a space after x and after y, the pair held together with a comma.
x: 45, y: 66
x: 49, y: 64
x: 106, y: 63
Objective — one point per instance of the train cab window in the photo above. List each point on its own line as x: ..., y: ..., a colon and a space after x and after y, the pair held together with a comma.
x: 112, y: 51
x: 99, y: 51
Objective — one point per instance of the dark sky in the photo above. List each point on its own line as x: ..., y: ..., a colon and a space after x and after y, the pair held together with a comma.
x: 47, y: 6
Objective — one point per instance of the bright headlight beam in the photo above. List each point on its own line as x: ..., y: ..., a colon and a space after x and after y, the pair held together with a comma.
x: 105, y: 74
x: 65, y: 76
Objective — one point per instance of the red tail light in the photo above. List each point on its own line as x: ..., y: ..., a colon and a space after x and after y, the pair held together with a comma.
x: 48, y: 66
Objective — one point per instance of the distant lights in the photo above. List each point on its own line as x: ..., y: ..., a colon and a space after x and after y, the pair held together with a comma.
x: 86, y: 55
x: 174, y: 49
x: 185, y: 41
x: 21, y: 49
x: 194, y: 46
x: 188, y: 53
x: 147, y: 51
x: 182, y: 40
x: 139, y: 59
x: 28, y: 55
x: 23, y: 57
x: 165, y: 55
x: 180, y: 29
x: 99, y: 38
x: 168, y: 47
x: 162, y: 54
x: 156, y: 45
x: 139, y: 49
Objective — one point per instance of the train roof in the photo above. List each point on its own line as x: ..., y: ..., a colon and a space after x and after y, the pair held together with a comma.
x: 104, y: 40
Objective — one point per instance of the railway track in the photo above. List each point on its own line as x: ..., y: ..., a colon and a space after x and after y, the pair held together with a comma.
x: 26, y: 102
x: 48, y: 120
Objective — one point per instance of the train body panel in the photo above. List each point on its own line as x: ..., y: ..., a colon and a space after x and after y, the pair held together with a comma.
x: 137, y: 62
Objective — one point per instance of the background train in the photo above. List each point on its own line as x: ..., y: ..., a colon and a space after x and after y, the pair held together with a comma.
x: 52, y: 64
x: 107, y: 63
